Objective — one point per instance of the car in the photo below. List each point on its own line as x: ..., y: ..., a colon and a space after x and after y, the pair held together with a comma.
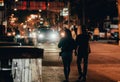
x: 45, y: 34
x: 114, y: 35
x: 24, y: 39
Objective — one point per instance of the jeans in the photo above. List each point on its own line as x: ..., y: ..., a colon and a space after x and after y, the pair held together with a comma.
x: 82, y: 70
x: 66, y: 59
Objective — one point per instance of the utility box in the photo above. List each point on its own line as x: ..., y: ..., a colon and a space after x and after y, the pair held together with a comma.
x: 20, y: 63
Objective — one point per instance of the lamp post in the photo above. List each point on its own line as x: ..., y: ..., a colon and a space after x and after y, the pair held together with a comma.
x: 83, y: 12
x: 119, y: 20
x: 68, y: 14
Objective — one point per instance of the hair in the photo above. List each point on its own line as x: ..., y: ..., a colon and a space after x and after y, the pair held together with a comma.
x: 68, y: 33
x: 84, y: 29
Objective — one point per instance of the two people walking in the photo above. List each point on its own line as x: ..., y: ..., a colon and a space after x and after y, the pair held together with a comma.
x: 80, y: 46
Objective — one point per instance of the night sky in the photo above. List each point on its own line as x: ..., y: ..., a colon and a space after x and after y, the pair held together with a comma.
x: 94, y: 10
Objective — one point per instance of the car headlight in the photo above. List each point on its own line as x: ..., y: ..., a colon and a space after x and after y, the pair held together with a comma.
x: 18, y: 36
x: 9, y: 34
x: 41, y: 36
x: 32, y: 35
x: 53, y: 36
x: 13, y: 33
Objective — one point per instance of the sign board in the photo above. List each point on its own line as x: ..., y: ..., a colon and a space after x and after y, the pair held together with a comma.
x: 64, y: 12
x: 1, y: 2
x: 113, y: 26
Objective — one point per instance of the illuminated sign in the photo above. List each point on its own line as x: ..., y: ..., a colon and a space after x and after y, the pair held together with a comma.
x: 1, y: 2
x: 33, y: 5
x: 64, y: 12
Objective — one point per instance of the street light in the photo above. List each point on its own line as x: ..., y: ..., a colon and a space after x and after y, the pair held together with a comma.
x: 15, y: 9
x: 16, y: 0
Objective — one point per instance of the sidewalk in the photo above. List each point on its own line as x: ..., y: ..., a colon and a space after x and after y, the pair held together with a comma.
x: 104, y: 65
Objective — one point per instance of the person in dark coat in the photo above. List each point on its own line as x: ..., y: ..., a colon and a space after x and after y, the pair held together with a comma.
x: 82, y: 50
x: 67, y: 45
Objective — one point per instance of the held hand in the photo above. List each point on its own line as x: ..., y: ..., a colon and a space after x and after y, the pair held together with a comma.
x: 75, y: 52
x: 89, y: 51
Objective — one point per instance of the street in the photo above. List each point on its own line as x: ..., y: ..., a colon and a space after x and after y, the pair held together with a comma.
x: 31, y: 29
x: 104, y: 64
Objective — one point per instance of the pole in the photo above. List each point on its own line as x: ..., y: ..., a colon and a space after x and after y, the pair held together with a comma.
x: 68, y: 14
x: 83, y: 12
x: 119, y: 20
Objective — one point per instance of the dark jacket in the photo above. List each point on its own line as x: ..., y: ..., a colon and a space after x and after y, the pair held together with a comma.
x: 82, y: 42
x: 66, y: 44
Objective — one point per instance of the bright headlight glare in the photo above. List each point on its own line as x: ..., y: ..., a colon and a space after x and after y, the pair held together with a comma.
x: 41, y: 36
x: 33, y: 34
x: 53, y: 35
x: 18, y: 36
x: 9, y: 34
x: 13, y: 33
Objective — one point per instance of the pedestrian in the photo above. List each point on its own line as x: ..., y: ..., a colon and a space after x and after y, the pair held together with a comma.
x: 82, y: 50
x: 17, y: 31
x: 96, y: 34
x: 67, y: 45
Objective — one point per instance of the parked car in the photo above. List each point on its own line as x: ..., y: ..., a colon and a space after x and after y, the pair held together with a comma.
x: 24, y: 40
x: 114, y: 35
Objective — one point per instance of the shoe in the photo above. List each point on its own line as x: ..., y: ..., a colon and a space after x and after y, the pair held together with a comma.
x: 65, y: 81
x: 80, y: 77
x: 83, y: 79
x: 77, y: 80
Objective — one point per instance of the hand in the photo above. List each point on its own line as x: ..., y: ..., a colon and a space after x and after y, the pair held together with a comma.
x: 89, y: 51
x: 75, y: 53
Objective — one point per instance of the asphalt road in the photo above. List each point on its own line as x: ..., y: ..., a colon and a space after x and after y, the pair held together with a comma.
x: 104, y: 64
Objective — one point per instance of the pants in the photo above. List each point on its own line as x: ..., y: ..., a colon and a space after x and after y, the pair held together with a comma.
x: 82, y: 70
x: 66, y: 59
x: 96, y: 37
